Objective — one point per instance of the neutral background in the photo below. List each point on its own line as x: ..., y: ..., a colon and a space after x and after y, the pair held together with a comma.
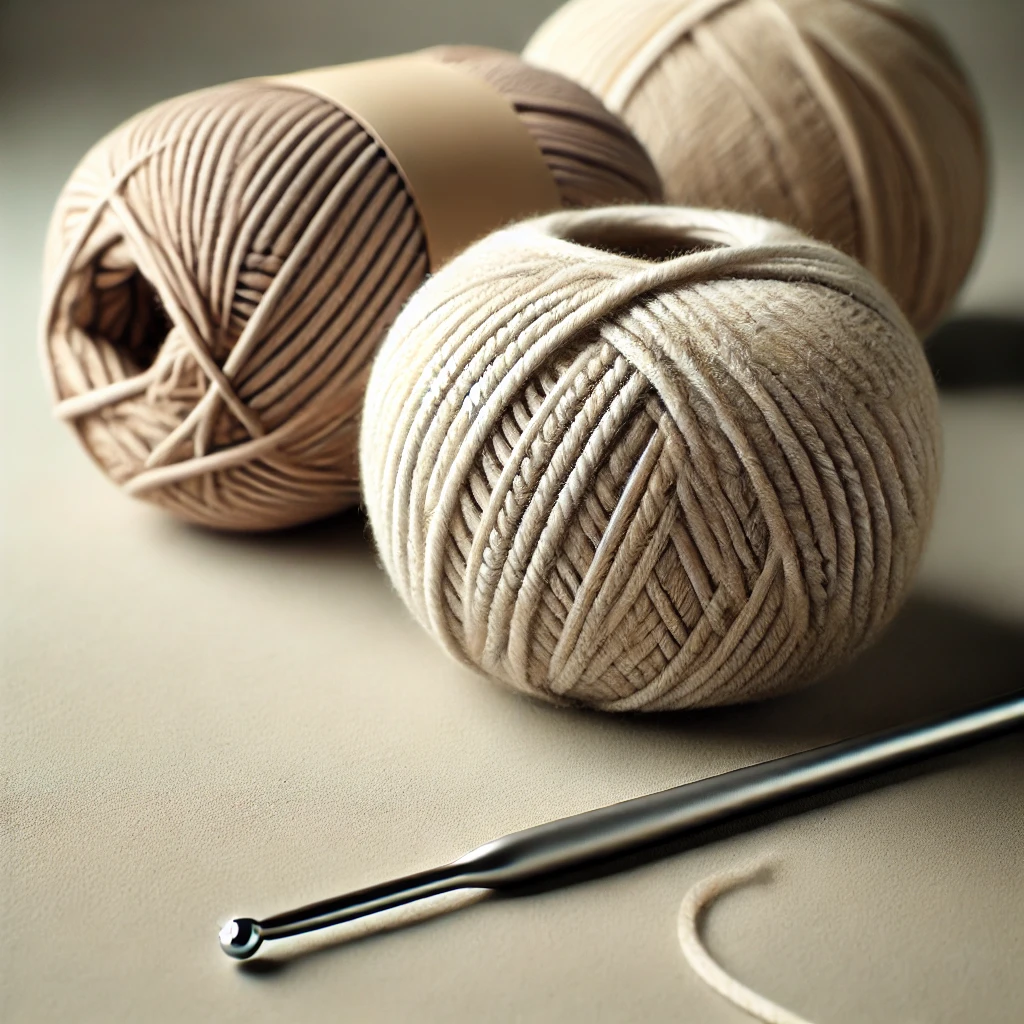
x: 194, y: 726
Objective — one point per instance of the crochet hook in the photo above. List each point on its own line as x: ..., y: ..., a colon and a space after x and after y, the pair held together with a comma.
x: 543, y: 851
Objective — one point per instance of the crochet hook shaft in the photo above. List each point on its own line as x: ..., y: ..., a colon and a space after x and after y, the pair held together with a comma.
x: 594, y: 836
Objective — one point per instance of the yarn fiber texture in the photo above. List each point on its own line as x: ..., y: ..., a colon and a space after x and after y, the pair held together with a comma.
x: 650, y: 459
x: 849, y: 119
x: 222, y: 267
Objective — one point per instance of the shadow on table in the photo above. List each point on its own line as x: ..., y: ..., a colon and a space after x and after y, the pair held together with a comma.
x: 937, y: 657
x: 339, y: 537
x: 978, y: 351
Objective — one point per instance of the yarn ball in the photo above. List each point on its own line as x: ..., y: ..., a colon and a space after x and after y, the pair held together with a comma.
x: 222, y: 267
x: 849, y: 119
x: 651, y: 458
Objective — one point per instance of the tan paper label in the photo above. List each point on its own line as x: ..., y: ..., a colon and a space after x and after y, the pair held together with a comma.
x: 468, y: 161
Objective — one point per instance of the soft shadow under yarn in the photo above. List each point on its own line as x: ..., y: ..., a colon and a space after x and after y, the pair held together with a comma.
x: 938, y: 657
x: 979, y: 351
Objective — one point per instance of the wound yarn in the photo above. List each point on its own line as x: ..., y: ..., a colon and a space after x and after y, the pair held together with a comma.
x: 849, y: 119
x: 651, y: 458
x: 221, y: 268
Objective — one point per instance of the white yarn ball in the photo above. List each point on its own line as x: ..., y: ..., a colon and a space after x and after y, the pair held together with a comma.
x: 651, y: 458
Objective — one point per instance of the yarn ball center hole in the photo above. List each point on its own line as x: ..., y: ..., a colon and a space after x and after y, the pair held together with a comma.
x: 117, y: 305
x: 651, y: 243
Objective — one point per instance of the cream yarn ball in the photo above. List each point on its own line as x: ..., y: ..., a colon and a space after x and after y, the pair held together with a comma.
x: 651, y: 458
x: 221, y: 268
x: 849, y: 119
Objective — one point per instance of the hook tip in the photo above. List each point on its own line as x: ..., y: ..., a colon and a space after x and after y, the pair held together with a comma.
x: 241, y: 938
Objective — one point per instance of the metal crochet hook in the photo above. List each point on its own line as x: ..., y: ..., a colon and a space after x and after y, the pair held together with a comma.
x: 594, y: 836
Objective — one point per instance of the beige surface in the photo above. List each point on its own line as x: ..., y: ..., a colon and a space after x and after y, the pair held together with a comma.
x: 193, y: 726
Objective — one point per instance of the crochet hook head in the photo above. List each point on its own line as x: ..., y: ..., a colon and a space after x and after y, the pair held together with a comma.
x: 241, y: 937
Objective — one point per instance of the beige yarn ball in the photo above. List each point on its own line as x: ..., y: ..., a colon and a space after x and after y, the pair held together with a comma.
x: 849, y: 119
x: 222, y: 267
x: 648, y: 459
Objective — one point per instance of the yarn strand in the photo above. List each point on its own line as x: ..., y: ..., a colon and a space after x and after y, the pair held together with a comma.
x: 692, y: 910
